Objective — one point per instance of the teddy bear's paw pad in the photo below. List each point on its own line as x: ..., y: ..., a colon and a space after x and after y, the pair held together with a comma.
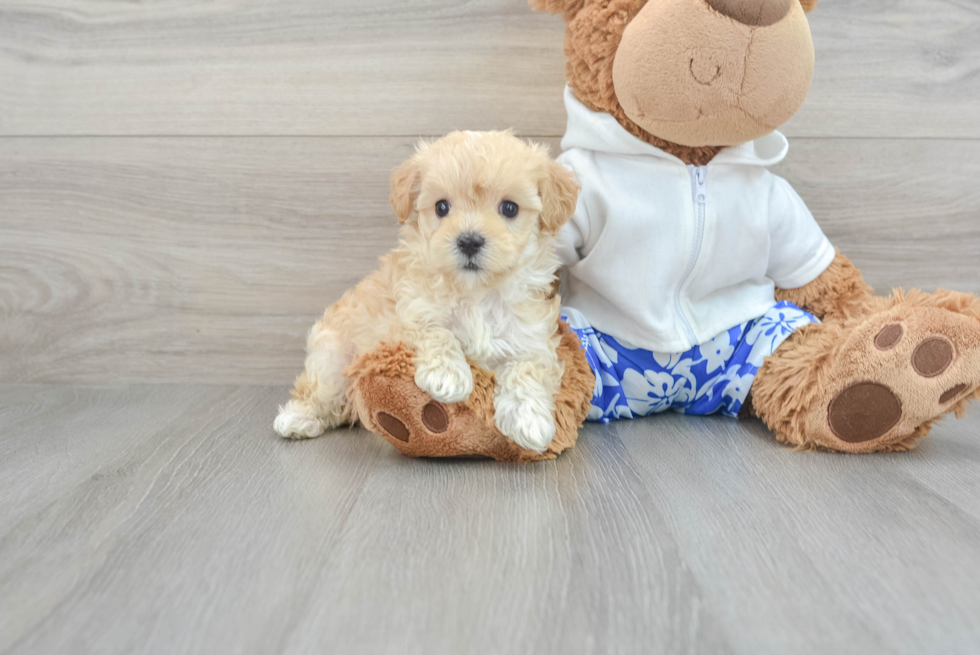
x: 895, y: 374
x: 955, y: 393
x: 932, y: 357
x: 435, y: 418
x: 889, y: 337
x: 863, y: 412
x: 393, y: 426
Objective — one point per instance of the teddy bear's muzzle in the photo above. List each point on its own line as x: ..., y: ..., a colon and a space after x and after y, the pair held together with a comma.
x: 692, y: 73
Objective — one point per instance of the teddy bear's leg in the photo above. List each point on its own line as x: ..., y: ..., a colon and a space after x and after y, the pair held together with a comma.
x: 387, y: 401
x: 874, y: 383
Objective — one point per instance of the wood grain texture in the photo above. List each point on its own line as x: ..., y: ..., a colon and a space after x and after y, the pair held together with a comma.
x: 886, y: 68
x: 190, y: 259
x: 168, y: 518
x: 894, y: 68
x: 183, y: 248
x: 377, y: 67
x: 905, y: 211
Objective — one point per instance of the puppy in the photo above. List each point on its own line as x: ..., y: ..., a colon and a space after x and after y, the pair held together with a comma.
x: 471, y: 277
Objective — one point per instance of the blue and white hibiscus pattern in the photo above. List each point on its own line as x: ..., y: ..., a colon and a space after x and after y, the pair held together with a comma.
x: 713, y: 377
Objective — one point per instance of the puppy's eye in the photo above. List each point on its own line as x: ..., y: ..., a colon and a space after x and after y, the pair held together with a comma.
x: 509, y: 209
x: 442, y: 208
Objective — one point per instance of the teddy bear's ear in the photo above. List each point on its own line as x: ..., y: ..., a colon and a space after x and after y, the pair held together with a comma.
x: 809, y: 5
x: 567, y: 7
x: 405, y: 184
x: 559, y: 197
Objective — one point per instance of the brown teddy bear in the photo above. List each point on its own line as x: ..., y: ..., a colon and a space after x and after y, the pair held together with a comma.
x: 673, y: 107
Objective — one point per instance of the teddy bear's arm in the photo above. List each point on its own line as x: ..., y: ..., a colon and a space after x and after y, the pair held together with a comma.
x: 840, y: 292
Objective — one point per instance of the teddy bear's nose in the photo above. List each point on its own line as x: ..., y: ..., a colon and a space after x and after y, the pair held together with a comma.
x: 754, y: 13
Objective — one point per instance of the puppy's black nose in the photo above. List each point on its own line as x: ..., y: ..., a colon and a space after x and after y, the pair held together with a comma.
x: 470, y: 243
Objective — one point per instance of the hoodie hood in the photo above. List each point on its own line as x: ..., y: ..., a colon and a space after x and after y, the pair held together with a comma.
x: 590, y: 130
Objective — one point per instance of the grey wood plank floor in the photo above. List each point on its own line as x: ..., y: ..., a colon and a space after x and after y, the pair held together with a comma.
x: 169, y: 519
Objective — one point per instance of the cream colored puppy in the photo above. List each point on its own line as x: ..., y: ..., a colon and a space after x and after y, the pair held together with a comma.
x: 471, y: 277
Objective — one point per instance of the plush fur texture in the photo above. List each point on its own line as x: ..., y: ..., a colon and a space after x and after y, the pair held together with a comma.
x: 795, y: 387
x: 597, y: 28
x: 591, y: 41
x: 696, y: 77
x: 466, y: 281
x: 691, y: 77
x: 382, y: 382
x: 840, y: 293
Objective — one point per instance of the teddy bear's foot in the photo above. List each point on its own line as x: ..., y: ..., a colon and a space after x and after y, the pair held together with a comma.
x: 385, y: 398
x: 387, y: 401
x: 418, y: 426
x: 880, y: 383
x: 896, y: 374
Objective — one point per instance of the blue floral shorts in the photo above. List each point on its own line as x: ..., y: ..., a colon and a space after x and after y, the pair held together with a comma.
x: 713, y: 377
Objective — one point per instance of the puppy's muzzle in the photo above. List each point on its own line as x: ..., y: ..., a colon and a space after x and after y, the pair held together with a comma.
x: 470, y: 245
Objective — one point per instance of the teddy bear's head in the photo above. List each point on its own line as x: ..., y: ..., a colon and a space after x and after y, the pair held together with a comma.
x: 689, y: 76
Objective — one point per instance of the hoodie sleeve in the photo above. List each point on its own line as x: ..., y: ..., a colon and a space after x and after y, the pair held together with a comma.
x: 798, y: 249
x: 575, y: 233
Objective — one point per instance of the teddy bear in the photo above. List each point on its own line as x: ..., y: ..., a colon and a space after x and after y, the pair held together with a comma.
x: 694, y: 279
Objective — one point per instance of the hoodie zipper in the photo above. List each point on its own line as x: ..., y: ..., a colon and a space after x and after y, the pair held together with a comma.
x: 699, y: 176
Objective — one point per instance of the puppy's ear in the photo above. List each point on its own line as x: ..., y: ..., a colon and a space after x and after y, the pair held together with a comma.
x: 809, y: 5
x: 559, y: 197
x: 405, y: 183
x: 567, y: 7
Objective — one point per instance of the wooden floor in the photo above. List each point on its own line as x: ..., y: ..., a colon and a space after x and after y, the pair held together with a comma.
x: 168, y: 519
x: 185, y: 185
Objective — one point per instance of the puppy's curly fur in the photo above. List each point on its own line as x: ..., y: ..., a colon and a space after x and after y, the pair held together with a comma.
x: 470, y: 278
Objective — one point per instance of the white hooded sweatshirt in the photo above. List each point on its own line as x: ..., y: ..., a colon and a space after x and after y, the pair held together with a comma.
x: 667, y: 256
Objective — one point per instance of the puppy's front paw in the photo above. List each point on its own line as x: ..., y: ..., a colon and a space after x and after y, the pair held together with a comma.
x: 527, y: 423
x: 448, y: 381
